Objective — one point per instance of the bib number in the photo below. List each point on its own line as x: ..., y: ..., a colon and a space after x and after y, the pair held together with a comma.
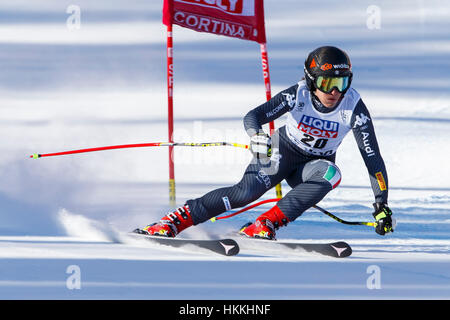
x: 311, y: 142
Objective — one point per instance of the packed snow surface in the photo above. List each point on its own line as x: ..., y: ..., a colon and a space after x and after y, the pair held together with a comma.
x: 65, y: 219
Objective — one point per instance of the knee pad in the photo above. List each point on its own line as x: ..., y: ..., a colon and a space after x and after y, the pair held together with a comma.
x: 322, y: 170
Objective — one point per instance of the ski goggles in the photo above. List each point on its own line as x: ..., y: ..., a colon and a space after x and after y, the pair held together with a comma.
x: 327, y: 84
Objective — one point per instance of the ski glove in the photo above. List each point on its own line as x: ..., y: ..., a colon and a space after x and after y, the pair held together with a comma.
x: 383, y: 218
x: 261, y: 145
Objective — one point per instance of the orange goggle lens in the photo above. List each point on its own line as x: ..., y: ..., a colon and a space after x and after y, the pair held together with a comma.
x: 327, y: 84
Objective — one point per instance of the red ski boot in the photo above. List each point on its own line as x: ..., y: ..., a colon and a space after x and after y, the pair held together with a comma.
x: 171, y: 224
x: 265, y: 225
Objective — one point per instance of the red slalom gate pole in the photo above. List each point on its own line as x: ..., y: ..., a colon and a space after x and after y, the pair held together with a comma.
x: 172, y: 195
x: 266, y: 75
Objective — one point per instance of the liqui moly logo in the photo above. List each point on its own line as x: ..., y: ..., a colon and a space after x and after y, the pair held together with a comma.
x: 239, y: 7
x: 318, y: 127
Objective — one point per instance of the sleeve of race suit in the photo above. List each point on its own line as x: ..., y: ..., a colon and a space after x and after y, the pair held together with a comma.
x: 269, y: 111
x: 366, y: 140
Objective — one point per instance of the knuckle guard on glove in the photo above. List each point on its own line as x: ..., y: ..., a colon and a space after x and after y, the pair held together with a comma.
x: 383, y: 218
x: 261, y: 145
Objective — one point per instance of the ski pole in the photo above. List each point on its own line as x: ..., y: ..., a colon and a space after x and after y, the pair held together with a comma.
x: 141, y: 145
x: 214, y: 219
x: 363, y: 223
x: 373, y: 224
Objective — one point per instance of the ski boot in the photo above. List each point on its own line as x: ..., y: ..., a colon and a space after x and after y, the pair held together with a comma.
x: 265, y: 225
x: 171, y: 224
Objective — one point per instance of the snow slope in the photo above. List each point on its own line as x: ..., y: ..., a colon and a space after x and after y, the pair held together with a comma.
x: 104, y: 84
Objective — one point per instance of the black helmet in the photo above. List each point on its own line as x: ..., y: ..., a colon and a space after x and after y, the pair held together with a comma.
x: 328, y: 63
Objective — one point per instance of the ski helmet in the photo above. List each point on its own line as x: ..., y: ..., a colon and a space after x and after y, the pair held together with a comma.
x: 327, y: 68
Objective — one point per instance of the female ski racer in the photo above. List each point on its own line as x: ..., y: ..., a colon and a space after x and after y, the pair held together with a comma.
x: 321, y: 109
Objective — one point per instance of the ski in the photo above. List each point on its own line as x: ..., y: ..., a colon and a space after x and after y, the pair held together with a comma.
x: 226, y: 247
x: 338, y: 249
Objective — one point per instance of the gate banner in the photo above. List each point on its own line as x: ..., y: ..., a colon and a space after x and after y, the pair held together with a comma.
x: 243, y: 19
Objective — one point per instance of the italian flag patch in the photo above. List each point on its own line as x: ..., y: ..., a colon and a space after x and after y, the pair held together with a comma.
x: 332, y: 176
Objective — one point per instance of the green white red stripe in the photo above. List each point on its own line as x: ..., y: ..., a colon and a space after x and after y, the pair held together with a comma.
x: 333, y: 176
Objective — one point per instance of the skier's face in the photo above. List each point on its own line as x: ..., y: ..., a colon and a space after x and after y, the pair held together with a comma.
x: 329, y: 100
